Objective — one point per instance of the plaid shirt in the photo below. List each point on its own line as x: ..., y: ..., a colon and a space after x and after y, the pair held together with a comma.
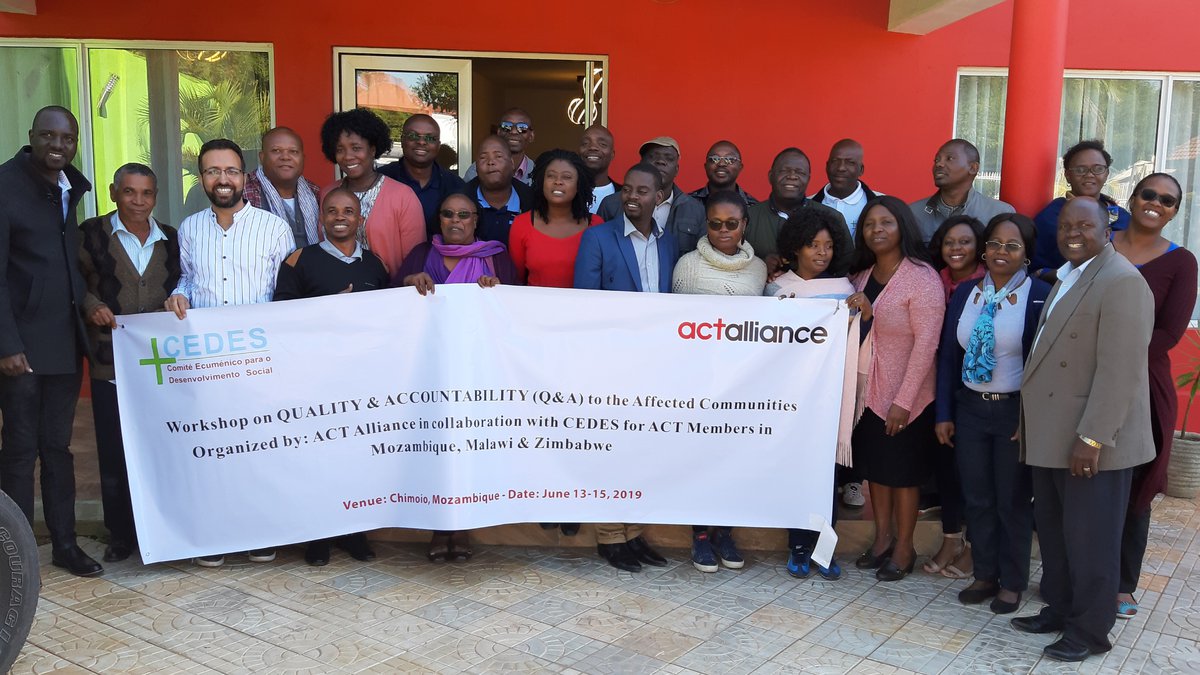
x: 252, y: 192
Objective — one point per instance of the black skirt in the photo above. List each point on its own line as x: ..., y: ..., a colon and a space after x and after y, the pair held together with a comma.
x: 902, y: 460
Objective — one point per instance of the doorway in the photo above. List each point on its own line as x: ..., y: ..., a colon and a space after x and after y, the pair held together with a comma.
x: 466, y: 92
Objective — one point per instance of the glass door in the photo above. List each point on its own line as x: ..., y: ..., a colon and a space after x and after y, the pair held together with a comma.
x: 397, y: 87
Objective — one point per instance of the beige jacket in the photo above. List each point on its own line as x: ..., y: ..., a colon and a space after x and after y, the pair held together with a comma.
x: 1086, y: 374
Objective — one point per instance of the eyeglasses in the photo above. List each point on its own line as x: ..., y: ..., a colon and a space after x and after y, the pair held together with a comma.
x: 718, y: 225
x: 1149, y: 195
x: 1011, y: 246
x: 462, y: 215
x: 515, y: 127
x: 414, y: 137
x: 214, y: 172
x: 1095, y: 170
x: 728, y: 160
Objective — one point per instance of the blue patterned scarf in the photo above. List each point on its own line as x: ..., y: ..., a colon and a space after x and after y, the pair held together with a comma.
x: 980, y: 357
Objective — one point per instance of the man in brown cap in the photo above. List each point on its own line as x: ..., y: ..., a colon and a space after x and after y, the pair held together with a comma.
x: 679, y: 214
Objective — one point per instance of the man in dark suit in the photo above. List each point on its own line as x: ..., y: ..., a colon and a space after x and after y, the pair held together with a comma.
x: 629, y: 253
x: 42, y: 337
x: 1085, y: 423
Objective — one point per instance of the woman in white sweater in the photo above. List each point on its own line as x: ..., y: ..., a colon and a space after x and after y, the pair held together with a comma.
x: 722, y: 264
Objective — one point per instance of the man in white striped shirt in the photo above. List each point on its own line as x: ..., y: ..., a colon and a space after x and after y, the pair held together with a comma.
x: 229, y: 254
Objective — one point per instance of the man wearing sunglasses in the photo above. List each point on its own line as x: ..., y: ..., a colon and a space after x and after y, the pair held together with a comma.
x: 678, y: 212
x: 420, y: 140
x: 516, y: 128
x: 723, y: 165
x: 1085, y: 166
x: 954, y: 169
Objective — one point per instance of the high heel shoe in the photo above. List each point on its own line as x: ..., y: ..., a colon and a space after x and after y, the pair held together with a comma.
x: 892, y: 572
x: 870, y: 561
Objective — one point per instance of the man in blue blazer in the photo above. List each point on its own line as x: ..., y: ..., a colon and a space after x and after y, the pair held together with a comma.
x: 630, y: 253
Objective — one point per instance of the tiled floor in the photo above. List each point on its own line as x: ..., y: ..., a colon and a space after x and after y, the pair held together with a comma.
x: 562, y: 610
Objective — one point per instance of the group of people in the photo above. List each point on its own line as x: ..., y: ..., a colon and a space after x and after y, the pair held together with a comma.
x: 1021, y: 364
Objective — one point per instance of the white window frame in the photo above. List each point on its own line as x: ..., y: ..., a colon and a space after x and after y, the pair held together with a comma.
x: 83, y: 74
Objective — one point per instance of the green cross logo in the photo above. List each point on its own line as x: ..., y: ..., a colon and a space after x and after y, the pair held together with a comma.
x: 158, y: 361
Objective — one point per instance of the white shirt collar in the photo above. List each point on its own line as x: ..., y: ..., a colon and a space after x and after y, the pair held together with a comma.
x: 334, y: 251
x: 630, y: 228
x: 63, y: 181
x: 156, y: 233
x: 1067, y: 268
x: 853, y: 198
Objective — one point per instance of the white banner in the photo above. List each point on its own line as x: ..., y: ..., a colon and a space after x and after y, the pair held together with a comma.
x: 272, y: 424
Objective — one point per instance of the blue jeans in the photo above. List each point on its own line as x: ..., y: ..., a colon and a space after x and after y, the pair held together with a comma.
x: 996, y: 487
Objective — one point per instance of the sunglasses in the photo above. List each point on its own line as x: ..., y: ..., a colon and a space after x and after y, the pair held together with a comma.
x: 718, y: 225
x: 718, y: 160
x: 1166, y: 200
x: 414, y: 137
x: 462, y: 215
x: 515, y: 127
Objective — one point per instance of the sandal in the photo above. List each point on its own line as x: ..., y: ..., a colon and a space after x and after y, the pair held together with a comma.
x: 955, y: 569
x: 932, y: 566
x: 460, y: 548
x: 1127, y: 609
x: 439, y: 548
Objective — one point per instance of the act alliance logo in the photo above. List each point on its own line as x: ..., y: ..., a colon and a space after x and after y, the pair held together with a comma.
x: 751, y: 331
x: 222, y: 354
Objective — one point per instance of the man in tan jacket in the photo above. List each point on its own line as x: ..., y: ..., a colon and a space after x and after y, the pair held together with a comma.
x: 1085, y: 424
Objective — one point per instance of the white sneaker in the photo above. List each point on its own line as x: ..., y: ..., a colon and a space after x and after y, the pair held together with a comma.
x: 852, y: 495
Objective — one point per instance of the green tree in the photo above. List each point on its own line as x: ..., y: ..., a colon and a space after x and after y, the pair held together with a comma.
x: 438, y: 91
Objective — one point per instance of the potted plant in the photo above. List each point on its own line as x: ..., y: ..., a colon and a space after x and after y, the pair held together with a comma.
x: 1183, y: 470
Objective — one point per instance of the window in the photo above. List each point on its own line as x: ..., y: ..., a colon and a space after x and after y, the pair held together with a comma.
x: 152, y: 103
x: 1149, y: 122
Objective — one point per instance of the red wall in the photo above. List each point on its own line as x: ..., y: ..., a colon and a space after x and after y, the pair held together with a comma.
x: 766, y: 74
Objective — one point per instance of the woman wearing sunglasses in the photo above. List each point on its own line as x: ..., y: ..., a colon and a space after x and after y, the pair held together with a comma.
x: 456, y: 257
x: 722, y: 264
x: 987, y: 334
x: 1170, y: 271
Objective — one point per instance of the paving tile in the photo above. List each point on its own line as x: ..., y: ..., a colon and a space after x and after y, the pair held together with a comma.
x: 657, y: 642
x: 808, y: 657
x: 738, y: 649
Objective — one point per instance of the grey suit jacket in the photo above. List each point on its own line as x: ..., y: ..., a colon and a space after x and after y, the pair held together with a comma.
x: 1086, y: 374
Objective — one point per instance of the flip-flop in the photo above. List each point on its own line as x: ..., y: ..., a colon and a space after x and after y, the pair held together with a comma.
x: 951, y: 571
x: 1127, y: 610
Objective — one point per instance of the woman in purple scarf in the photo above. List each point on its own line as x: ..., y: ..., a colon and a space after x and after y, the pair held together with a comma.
x: 456, y: 257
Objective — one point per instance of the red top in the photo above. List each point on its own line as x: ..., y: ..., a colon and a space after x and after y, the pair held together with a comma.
x: 540, y: 259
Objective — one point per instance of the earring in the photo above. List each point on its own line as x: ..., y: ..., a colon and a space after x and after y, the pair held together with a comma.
x: 983, y: 257
x: 1026, y: 263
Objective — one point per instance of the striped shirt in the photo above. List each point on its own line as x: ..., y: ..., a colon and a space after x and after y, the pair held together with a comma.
x: 139, y: 253
x: 237, y: 266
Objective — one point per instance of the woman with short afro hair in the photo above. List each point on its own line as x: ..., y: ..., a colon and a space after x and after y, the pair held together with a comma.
x: 393, y: 222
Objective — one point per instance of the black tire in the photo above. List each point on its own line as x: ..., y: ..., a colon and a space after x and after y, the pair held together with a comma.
x: 20, y: 581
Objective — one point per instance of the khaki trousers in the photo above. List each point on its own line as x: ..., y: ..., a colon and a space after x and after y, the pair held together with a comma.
x: 616, y: 533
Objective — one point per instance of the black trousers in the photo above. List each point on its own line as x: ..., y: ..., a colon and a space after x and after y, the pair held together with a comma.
x: 1079, y: 522
x: 809, y: 538
x: 1133, y: 548
x: 949, y: 489
x: 110, y: 451
x: 39, y: 411
x: 996, y: 488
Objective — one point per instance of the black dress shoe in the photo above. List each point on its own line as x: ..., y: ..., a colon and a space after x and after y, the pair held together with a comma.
x: 357, y: 546
x: 569, y: 529
x: 645, y: 554
x: 75, y: 561
x: 893, y: 572
x: 317, y: 553
x: 1066, y: 649
x: 870, y: 561
x: 974, y: 596
x: 117, y: 550
x: 619, y: 556
x: 999, y: 606
x: 1038, y: 623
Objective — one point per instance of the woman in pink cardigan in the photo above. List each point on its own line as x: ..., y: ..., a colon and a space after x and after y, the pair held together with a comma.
x: 892, y: 440
x: 393, y: 222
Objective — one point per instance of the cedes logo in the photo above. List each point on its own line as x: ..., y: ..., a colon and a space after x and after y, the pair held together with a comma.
x: 176, y: 352
x: 751, y: 331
